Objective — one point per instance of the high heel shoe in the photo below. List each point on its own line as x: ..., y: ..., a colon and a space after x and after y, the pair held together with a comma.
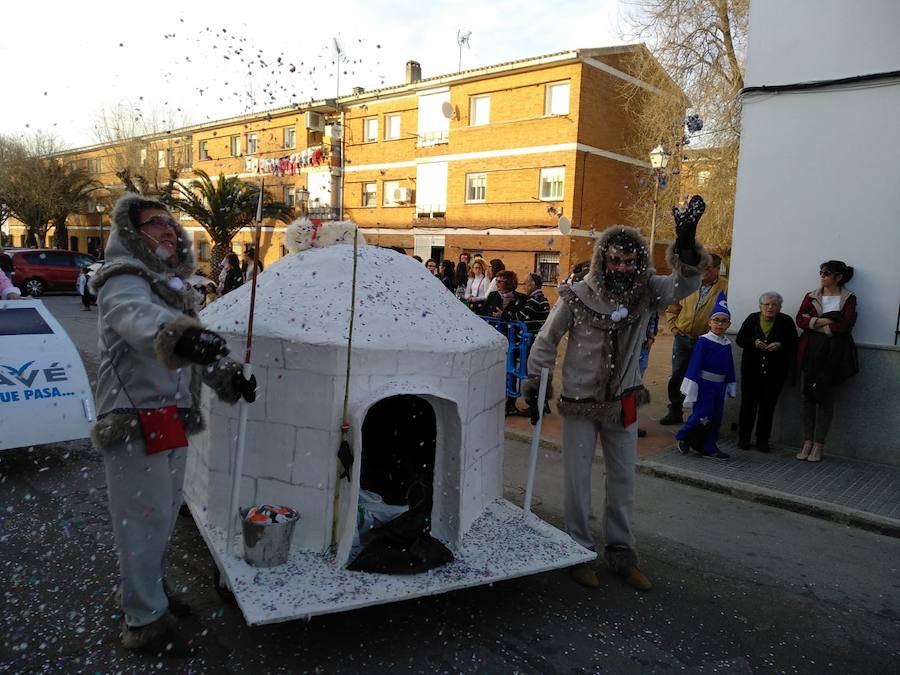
x: 815, y: 454
x: 805, y: 450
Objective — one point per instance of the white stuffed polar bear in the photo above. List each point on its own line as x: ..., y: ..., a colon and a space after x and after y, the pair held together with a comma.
x: 303, y: 234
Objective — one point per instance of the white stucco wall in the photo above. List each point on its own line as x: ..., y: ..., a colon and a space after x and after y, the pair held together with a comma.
x: 818, y: 172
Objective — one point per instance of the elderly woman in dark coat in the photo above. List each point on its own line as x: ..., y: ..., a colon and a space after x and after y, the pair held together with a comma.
x: 769, y: 341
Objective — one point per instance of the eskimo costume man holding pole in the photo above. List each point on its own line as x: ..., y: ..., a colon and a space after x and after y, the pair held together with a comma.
x: 605, y: 316
x: 154, y: 355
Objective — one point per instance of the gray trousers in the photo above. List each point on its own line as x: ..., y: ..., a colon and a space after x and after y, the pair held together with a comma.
x: 144, y: 498
x: 619, y: 447
x: 817, y: 416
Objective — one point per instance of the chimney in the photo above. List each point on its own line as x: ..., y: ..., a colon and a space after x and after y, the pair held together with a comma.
x: 358, y: 90
x: 413, y: 72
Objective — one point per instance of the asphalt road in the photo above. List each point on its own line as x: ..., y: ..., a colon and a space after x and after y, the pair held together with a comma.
x: 740, y: 588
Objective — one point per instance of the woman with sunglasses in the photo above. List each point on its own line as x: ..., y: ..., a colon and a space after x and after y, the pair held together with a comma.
x: 826, y: 354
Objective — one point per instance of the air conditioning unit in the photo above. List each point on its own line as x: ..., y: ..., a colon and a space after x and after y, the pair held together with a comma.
x: 403, y: 195
x: 315, y: 121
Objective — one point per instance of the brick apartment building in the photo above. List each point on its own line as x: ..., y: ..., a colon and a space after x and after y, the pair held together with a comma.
x: 484, y: 161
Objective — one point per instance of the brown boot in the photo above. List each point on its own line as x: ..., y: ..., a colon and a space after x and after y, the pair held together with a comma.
x: 624, y: 562
x: 635, y: 578
x: 585, y: 575
x: 805, y: 450
x: 160, y: 637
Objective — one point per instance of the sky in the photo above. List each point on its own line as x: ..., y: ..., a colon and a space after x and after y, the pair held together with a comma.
x: 65, y: 65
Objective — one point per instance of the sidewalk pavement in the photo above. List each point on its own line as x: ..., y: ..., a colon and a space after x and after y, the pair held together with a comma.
x: 856, y: 493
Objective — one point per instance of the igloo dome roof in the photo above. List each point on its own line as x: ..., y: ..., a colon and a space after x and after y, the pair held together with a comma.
x: 305, y: 298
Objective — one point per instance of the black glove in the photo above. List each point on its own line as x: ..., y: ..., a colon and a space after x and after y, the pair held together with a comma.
x: 686, y: 224
x: 530, y: 390
x: 200, y: 346
x: 245, y: 387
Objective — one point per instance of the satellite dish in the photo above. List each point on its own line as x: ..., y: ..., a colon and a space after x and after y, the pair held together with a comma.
x: 448, y: 110
x: 564, y: 225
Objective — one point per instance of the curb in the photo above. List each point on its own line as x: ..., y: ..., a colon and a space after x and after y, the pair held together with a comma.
x: 783, y: 500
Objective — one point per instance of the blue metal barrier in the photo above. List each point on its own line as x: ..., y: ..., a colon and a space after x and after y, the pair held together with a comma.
x: 519, y: 340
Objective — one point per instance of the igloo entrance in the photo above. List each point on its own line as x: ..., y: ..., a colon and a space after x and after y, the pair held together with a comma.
x: 399, y: 437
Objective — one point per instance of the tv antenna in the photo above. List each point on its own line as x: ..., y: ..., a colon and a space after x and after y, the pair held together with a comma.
x: 338, y: 57
x: 462, y: 38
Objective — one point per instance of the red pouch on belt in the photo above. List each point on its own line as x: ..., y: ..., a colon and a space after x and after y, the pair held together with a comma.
x: 162, y: 429
x: 629, y: 409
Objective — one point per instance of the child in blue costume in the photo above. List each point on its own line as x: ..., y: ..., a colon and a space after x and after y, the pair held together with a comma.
x: 709, y: 377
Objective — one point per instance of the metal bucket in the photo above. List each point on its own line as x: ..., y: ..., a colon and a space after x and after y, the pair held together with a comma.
x: 267, y: 544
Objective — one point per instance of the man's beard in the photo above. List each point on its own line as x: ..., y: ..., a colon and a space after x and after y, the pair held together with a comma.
x: 618, y: 283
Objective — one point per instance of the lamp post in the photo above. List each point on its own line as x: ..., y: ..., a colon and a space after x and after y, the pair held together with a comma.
x: 302, y: 200
x: 659, y: 160
x: 100, y: 209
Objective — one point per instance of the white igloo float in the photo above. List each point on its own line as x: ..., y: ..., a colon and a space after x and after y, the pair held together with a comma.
x: 424, y: 371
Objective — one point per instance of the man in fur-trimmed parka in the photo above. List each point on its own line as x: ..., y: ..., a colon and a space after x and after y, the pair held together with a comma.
x: 605, y: 316
x: 154, y: 354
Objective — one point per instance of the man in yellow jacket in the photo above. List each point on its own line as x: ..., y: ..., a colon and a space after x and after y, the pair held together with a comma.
x: 688, y: 319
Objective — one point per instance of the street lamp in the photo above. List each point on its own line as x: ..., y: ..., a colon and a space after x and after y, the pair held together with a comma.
x: 302, y: 200
x: 659, y: 160
x: 100, y: 209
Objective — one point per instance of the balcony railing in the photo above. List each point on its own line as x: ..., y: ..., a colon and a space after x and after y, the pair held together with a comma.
x: 430, y: 138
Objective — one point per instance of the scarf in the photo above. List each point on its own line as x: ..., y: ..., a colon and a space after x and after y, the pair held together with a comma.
x: 766, y: 324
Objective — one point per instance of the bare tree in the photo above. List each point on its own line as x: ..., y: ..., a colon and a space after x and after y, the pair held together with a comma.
x: 701, y: 45
x: 141, y: 150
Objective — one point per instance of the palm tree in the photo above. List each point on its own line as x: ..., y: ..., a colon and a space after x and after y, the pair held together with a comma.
x: 223, y: 207
x: 71, y: 187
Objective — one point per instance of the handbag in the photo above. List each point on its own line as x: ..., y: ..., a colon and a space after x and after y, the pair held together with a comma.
x: 161, y: 427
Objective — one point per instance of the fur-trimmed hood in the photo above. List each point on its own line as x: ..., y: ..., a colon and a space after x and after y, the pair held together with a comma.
x: 594, y: 277
x: 126, y: 253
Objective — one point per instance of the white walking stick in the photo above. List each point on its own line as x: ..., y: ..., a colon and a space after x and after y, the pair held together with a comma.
x: 536, y: 440
x: 238, y: 469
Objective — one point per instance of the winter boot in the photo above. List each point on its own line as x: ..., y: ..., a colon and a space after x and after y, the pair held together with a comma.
x: 585, y: 575
x: 159, y: 638
x: 624, y: 562
x: 671, y: 418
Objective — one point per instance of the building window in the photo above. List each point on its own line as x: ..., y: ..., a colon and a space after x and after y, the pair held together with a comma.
x: 391, y: 127
x: 479, y: 110
x: 236, y: 145
x: 703, y: 177
x: 95, y: 165
x: 390, y: 191
x: 204, y: 150
x: 143, y: 156
x: 170, y: 158
x: 252, y: 143
x: 160, y: 159
x: 557, y: 99
x: 476, y: 187
x: 290, y: 195
x: 370, y: 129
x: 547, y: 265
x: 552, y: 181
x: 369, y: 197
x: 203, y: 251
x: 290, y: 137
